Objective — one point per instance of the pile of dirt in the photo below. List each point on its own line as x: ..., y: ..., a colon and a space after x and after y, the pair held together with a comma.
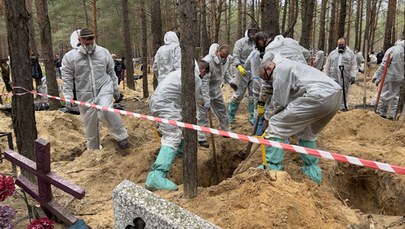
x: 248, y: 199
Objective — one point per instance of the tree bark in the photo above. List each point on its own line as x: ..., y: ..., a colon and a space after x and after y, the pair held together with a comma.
x: 332, y: 39
x: 128, y: 46
x: 392, y: 5
x: 218, y: 20
x: 205, y: 42
x: 322, y: 25
x: 94, y: 8
x: 47, y: 53
x: 349, y: 23
x: 244, y: 16
x: 284, y: 21
x: 342, y: 18
x: 270, y: 23
x: 239, y: 21
x: 187, y: 12
x: 156, y: 27
x: 33, y: 44
x: 23, y: 115
x: 85, y: 13
x: 144, y: 49
x: 307, y: 10
x: 292, y: 19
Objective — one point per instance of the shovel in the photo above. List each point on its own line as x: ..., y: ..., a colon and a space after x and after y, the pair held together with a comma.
x: 387, y: 63
x: 341, y: 68
x: 214, y: 151
x: 249, y: 145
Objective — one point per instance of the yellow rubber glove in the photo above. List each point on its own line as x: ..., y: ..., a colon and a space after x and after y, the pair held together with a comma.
x: 241, y: 70
x: 260, y: 110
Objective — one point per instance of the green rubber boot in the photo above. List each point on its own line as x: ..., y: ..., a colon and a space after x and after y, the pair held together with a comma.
x: 274, y: 156
x: 251, y: 107
x: 180, y: 149
x: 156, y: 179
x: 310, y: 167
x: 232, y: 109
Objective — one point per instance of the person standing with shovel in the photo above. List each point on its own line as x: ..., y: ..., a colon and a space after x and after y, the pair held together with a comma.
x: 394, y: 77
x: 341, y: 66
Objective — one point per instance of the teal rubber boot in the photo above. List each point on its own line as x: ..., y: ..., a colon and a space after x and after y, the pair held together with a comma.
x: 274, y: 156
x: 251, y: 107
x: 180, y: 149
x: 156, y: 179
x: 232, y: 109
x: 310, y: 167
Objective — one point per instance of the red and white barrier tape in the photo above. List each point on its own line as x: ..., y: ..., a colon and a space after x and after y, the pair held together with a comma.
x: 284, y: 146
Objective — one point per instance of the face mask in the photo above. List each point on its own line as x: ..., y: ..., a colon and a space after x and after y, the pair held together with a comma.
x: 89, y: 49
x: 341, y: 48
x: 217, y: 60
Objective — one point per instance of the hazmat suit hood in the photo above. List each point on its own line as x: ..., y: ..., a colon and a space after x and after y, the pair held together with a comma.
x: 74, y: 39
x: 400, y: 42
x: 171, y: 38
x: 213, y: 49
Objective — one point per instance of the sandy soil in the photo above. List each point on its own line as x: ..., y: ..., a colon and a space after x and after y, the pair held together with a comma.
x: 349, y: 197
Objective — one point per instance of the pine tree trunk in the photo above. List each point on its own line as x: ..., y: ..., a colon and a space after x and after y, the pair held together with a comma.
x: 85, y: 14
x: 332, y: 39
x: 94, y: 8
x: 228, y: 22
x: 144, y: 29
x: 156, y: 27
x: 307, y: 10
x: 283, y: 22
x: 187, y: 22
x: 23, y: 115
x: 47, y: 53
x: 322, y: 25
x: 205, y: 42
x: 239, y: 32
x: 33, y: 44
x: 389, y: 24
x: 244, y: 16
x: 349, y: 23
x: 128, y: 46
x: 357, y: 25
x: 342, y: 18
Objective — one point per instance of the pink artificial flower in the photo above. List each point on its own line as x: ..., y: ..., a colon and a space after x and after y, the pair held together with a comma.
x: 7, y: 187
x: 41, y: 223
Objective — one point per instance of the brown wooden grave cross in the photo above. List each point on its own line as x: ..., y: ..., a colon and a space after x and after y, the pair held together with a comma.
x: 43, y: 192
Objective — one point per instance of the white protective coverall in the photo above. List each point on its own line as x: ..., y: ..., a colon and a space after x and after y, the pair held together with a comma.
x: 304, y: 100
x: 252, y: 65
x: 211, y: 93
x: 318, y: 63
x: 388, y: 104
x: 168, y: 56
x: 96, y: 82
x: 287, y: 48
x: 332, y: 68
x: 165, y: 102
x: 243, y: 47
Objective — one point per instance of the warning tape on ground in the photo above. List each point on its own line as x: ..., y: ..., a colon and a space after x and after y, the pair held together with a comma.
x: 284, y: 146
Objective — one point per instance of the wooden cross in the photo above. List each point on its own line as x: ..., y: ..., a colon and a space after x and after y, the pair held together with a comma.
x: 43, y: 192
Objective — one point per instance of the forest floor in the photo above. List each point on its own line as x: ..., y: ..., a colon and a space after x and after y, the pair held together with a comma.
x: 349, y: 197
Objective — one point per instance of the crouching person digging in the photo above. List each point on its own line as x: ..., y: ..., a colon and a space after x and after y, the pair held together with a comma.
x: 166, y: 103
x: 304, y: 101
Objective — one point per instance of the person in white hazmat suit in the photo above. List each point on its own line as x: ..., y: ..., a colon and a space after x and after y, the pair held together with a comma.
x: 91, y: 67
x: 287, y: 48
x: 304, y: 101
x: 318, y: 62
x: 394, y: 77
x: 252, y: 65
x: 341, y: 66
x: 243, y: 47
x: 168, y: 56
x: 211, y: 91
x: 165, y: 102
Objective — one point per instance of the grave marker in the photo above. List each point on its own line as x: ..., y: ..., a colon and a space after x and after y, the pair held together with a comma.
x: 43, y: 192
